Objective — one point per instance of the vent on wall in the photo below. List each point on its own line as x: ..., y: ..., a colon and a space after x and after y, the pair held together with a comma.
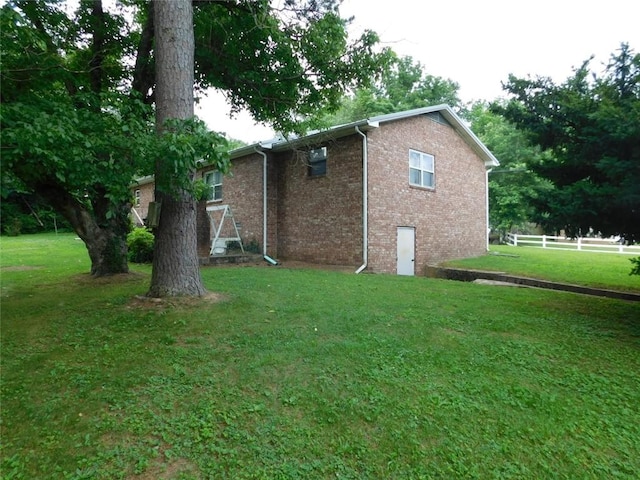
x: 438, y: 118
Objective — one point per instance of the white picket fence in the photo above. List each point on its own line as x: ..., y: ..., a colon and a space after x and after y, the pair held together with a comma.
x: 585, y: 244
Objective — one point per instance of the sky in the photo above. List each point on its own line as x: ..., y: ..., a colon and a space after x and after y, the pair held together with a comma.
x: 477, y: 43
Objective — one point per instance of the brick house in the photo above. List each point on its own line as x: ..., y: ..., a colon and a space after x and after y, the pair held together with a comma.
x: 389, y: 194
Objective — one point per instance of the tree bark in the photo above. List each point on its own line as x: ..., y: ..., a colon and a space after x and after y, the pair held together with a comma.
x: 175, y: 259
x: 143, y: 73
x: 106, y: 240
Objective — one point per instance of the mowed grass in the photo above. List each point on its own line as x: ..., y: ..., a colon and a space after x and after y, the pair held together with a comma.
x: 602, y: 270
x: 310, y: 374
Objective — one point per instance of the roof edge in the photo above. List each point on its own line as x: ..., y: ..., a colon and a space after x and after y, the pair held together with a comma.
x: 370, y: 123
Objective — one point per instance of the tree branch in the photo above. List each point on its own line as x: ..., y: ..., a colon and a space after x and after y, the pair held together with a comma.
x: 32, y: 12
x: 97, y: 47
x: 144, y: 72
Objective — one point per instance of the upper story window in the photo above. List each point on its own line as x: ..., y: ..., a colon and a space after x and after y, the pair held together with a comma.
x: 214, y: 181
x: 318, y: 162
x: 136, y: 198
x: 421, y: 169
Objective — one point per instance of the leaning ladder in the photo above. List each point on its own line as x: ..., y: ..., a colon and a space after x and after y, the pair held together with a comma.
x: 217, y: 227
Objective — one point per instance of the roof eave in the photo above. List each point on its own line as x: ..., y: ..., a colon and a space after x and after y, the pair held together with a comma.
x: 368, y: 124
x: 325, y: 135
x: 469, y: 137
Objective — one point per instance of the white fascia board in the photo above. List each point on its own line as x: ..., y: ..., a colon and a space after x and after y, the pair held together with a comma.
x: 325, y: 135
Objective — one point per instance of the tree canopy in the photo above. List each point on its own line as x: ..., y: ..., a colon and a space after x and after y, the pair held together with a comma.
x: 591, y: 126
x: 283, y: 63
x: 403, y: 85
x: 513, y: 186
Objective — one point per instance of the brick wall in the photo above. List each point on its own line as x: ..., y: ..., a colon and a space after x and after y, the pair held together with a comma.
x: 146, y: 196
x: 450, y: 220
x: 320, y: 218
x: 242, y: 191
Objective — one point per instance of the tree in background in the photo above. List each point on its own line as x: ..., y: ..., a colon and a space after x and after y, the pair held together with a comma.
x: 404, y: 85
x: 513, y: 186
x: 591, y: 125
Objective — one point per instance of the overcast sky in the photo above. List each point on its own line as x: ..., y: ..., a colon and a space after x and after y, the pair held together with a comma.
x: 478, y: 43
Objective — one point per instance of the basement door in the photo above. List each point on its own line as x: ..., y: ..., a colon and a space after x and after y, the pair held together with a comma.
x: 406, y: 250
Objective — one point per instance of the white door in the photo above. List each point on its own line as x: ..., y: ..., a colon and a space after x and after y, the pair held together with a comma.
x: 406, y: 250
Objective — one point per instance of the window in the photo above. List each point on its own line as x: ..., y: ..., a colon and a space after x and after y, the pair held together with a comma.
x: 421, y: 169
x: 136, y: 196
x: 214, y: 181
x: 318, y: 162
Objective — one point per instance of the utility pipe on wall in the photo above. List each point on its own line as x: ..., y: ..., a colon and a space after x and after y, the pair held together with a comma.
x: 487, y: 205
x: 264, y: 208
x: 365, y: 207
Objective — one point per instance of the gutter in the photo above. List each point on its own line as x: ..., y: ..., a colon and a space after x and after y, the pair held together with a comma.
x: 365, y: 203
x: 266, y: 257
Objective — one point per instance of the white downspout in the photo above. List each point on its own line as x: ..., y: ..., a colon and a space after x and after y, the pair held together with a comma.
x: 365, y: 207
x: 487, y: 205
x: 264, y: 208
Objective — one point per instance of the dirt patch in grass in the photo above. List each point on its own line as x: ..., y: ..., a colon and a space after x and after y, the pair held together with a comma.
x: 166, y: 471
x: 144, y: 302
x: 19, y: 268
x: 87, y: 278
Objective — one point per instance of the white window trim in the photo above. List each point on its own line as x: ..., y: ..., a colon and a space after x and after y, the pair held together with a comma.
x: 212, y: 186
x: 423, y: 170
x: 136, y: 196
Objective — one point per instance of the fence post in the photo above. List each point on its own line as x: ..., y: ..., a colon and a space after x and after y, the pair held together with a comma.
x: 515, y: 239
x: 544, y: 241
x: 579, y: 243
x: 621, y: 248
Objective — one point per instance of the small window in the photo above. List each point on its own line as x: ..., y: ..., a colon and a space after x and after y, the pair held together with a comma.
x: 214, y: 181
x: 318, y: 162
x: 136, y: 198
x: 421, y: 169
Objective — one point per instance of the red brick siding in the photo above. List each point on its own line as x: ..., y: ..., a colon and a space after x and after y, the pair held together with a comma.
x: 242, y: 191
x: 146, y: 197
x: 320, y: 218
x: 203, y: 229
x: 450, y: 220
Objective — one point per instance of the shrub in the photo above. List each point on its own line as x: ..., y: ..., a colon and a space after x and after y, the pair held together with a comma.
x: 13, y: 227
x: 140, y: 243
x: 635, y: 270
x: 252, y: 246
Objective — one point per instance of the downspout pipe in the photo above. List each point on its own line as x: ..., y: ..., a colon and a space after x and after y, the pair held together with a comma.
x: 487, y: 205
x: 266, y: 257
x: 365, y: 203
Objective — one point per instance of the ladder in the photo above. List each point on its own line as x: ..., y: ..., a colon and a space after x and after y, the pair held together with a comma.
x: 216, y: 227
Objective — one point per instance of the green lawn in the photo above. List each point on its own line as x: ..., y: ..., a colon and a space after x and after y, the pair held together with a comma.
x: 309, y: 374
x: 603, y: 270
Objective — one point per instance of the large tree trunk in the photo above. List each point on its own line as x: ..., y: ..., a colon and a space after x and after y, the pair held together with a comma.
x: 105, y: 236
x: 175, y: 259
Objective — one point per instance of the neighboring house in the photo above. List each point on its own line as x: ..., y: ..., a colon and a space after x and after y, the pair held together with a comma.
x: 390, y: 194
x: 143, y: 194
